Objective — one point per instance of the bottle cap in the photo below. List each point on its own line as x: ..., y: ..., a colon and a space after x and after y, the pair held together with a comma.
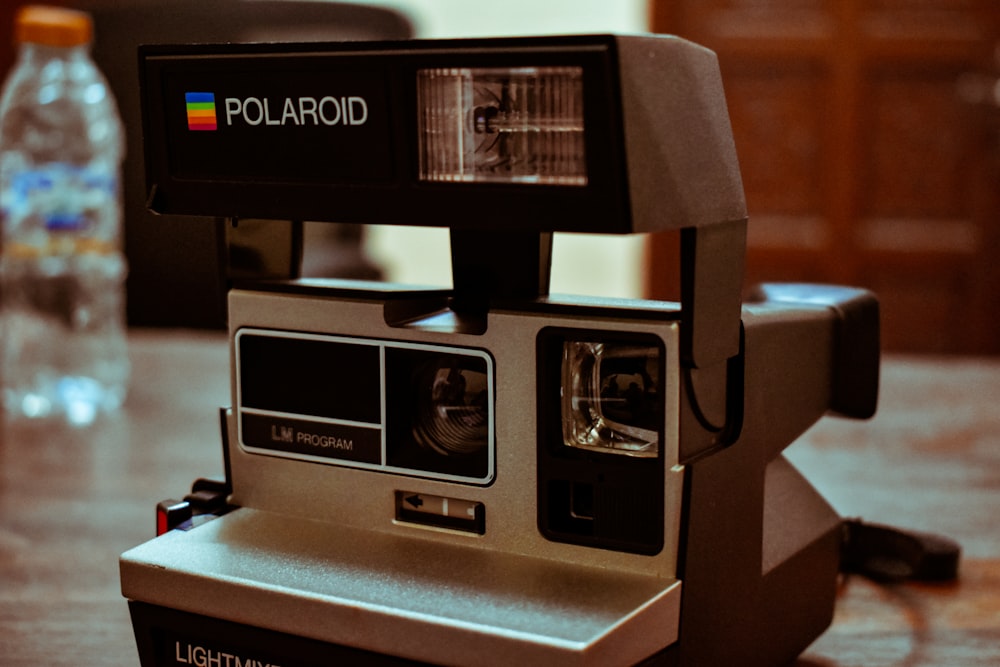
x: 52, y: 26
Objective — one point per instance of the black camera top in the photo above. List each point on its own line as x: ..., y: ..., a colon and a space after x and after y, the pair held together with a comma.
x: 606, y: 134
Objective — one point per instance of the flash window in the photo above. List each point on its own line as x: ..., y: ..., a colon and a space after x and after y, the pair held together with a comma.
x: 515, y: 125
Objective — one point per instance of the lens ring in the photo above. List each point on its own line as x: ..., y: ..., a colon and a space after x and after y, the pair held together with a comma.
x: 451, y: 411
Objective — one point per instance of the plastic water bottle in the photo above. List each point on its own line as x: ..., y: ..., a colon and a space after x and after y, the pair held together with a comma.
x: 62, y: 335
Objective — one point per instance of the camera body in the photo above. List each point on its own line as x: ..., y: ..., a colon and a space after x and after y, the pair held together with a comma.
x: 490, y: 474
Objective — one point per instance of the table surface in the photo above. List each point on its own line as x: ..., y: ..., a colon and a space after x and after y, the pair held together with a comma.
x: 72, y: 500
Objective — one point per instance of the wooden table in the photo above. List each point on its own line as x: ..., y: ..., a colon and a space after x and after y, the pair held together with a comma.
x: 929, y: 461
x: 72, y: 500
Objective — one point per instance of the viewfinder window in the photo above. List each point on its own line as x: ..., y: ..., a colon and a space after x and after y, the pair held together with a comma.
x: 611, y: 397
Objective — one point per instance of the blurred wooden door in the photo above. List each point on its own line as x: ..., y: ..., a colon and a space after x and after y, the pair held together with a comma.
x: 868, y: 139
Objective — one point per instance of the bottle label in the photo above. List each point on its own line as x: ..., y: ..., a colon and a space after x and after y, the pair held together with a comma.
x: 45, y: 206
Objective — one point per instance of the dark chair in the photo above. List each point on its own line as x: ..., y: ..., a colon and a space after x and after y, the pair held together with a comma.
x: 174, y: 263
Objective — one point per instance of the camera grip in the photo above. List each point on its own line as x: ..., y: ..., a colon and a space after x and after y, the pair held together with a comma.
x: 810, y: 350
x: 856, y: 347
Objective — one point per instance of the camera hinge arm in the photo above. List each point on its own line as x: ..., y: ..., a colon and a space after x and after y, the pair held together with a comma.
x: 711, y: 292
x: 260, y: 249
x: 487, y: 266
x: 710, y: 334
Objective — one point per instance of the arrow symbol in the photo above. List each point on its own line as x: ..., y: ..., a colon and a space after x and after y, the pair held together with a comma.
x: 416, y: 501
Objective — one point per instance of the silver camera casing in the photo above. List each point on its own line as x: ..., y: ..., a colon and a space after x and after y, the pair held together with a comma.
x: 316, y: 549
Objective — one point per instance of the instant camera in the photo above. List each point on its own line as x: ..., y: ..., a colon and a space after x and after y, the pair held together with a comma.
x: 490, y: 474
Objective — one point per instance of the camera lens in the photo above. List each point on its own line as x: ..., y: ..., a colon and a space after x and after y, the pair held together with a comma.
x: 439, y: 412
x: 611, y: 397
x: 452, y: 415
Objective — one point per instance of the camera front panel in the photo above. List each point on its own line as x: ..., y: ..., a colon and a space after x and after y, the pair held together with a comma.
x: 566, y: 423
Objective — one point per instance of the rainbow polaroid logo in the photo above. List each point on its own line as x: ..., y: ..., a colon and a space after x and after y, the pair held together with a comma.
x: 201, y: 111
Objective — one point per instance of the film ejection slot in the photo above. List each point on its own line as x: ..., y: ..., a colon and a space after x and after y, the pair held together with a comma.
x: 468, y: 516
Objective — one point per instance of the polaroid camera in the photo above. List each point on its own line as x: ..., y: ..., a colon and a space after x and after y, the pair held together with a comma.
x: 490, y: 474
